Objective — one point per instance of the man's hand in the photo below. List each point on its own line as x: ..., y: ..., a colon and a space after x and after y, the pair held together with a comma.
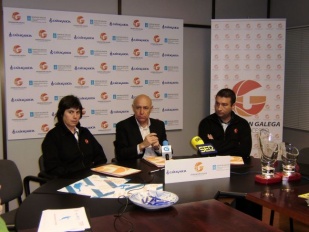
x: 150, y: 140
x: 210, y: 136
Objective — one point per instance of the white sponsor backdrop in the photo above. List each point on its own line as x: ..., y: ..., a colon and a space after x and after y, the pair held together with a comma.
x: 248, y: 55
x: 105, y: 60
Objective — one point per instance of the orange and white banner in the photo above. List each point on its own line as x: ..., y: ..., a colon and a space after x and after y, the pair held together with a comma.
x: 248, y: 56
x: 105, y: 60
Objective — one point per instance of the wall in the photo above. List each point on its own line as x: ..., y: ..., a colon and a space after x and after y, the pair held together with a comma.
x: 196, y: 58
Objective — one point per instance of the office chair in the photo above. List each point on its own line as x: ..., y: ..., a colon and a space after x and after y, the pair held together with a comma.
x: 42, y: 173
x: 12, y: 189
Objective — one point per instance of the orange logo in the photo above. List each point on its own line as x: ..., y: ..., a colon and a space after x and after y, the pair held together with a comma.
x: 18, y: 81
x: 156, y: 67
x: 156, y: 94
x: 136, y: 52
x: 104, y: 125
x: 198, y: 167
x: 103, y: 66
x: 257, y: 102
x: 81, y: 81
x: 156, y: 39
x: 44, y: 128
x: 136, y: 23
x: 136, y: 80
x: 19, y: 113
x: 80, y: 20
x: 104, y: 95
x: 16, y: 16
x: 42, y: 34
x: 43, y: 65
x: 17, y: 49
x: 81, y: 51
x: 44, y: 97
x: 103, y: 36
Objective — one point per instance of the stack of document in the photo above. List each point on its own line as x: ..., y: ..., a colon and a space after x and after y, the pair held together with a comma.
x: 60, y: 220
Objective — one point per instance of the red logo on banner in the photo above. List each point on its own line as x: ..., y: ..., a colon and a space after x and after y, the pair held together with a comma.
x: 80, y: 20
x: 136, y: 80
x: 136, y: 23
x: 16, y: 16
x: 104, y: 124
x: 104, y: 95
x: 156, y: 94
x: 257, y: 102
x: 43, y: 65
x: 18, y: 81
x: 136, y: 52
x: 81, y: 51
x: 44, y: 128
x: 19, y: 113
x: 156, y: 67
x: 81, y: 81
x: 103, y: 36
x: 42, y: 34
x: 44, y: 97
x: 156, y: 39
x: 17, y: 49
x: 103, y: 66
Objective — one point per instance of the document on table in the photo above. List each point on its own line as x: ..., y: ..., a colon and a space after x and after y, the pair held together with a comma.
x: 98, y: 186
x: 60, y: 220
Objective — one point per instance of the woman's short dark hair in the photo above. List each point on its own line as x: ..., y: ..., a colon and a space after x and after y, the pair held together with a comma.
x: 68, y: 102
x: 227, y: 93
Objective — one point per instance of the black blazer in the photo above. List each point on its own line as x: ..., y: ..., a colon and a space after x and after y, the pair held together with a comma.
x: 128, y: 136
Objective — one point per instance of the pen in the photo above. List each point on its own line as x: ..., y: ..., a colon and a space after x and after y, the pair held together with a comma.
x: 153, y: 171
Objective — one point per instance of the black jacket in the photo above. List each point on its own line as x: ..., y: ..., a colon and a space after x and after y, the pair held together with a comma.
x: 62, y: 153
x: 236, y: 140
x: 128, y: 136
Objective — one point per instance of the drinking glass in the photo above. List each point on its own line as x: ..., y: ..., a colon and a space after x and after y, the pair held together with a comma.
x: 289, y: 155
x: 269, y: 153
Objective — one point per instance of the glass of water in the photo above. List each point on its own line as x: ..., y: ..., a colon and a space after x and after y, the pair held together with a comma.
x: 269, y: 153
x: 289, y: 155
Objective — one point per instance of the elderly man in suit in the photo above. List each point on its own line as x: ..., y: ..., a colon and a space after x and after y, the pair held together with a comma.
x: 139, y: 135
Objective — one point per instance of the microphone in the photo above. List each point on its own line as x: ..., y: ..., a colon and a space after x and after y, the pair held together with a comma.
x: 202, y: 148
x: 166, y: 150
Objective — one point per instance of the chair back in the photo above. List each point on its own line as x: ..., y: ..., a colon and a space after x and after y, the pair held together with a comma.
x: 303, y: 161
x: 10, y: 181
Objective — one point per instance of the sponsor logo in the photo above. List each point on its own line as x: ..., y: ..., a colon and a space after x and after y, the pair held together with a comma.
x: 136, y: 23
x: 156, y: 39
x: 81, y: 51
x: 43, y: 66
x: 243, y: 89
x: 103, y: 66
x: 45, y: 128
x: 198, y: 167
x: 80, y: 19
x: 104, y: 124
x: 44, y: 97
x: 42, y: 34
x: 156, y: 94
x: 103, y: 36
x: 17, y: 49
x: 16, y: 16
x: 19, y: 113
x: 18, y: 81
x: 104, y: 95
x: 81, y: 81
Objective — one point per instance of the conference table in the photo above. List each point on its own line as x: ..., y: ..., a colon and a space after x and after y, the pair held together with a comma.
x: 192, y: 195
x: 284, y: 200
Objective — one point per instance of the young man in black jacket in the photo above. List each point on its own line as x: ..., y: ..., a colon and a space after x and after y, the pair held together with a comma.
x: 229, y: 133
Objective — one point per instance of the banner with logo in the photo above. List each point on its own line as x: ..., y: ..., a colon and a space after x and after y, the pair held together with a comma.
x: 105, y: 60
x: 248, y: 56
